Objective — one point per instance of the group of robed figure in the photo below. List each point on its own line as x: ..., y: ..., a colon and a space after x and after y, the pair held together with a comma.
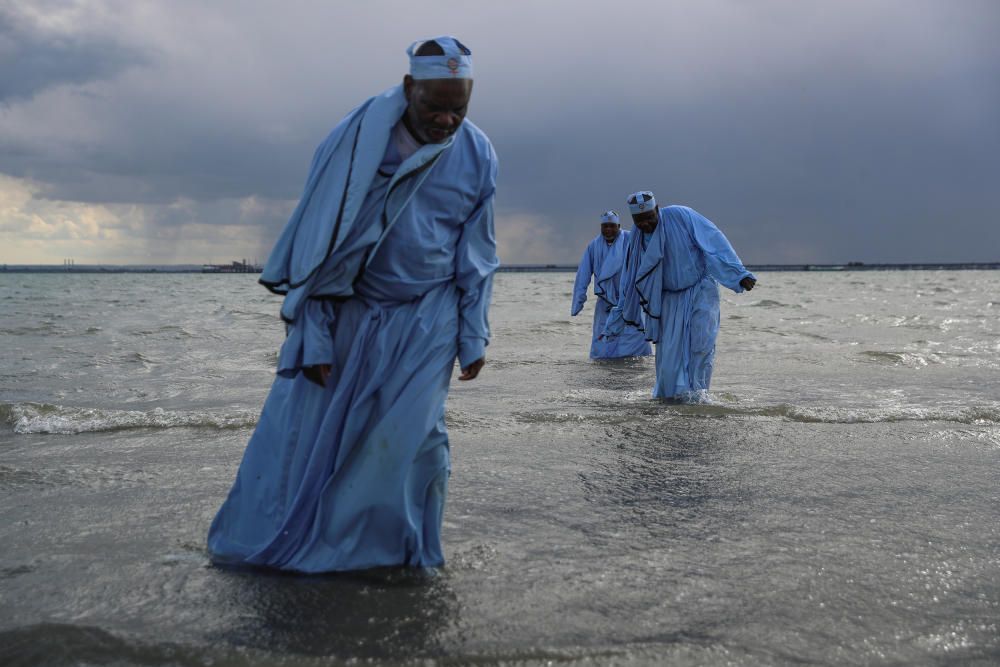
x: 386, y: 272
x: 658, y: 283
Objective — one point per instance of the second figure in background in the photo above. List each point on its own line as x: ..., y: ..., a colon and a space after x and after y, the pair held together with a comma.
x: 603, y: 260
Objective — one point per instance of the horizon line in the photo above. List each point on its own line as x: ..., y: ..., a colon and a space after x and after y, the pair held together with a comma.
x: 503, y: 268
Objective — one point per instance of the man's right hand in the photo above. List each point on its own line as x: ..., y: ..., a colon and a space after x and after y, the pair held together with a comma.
x: 471, y: 371
x: 319, y: 373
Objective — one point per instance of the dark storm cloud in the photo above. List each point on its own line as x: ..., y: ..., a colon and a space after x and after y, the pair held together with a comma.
x: 872, y: 139
x: 33, y: 60
x: 858, y: 169
x: 830, y: 131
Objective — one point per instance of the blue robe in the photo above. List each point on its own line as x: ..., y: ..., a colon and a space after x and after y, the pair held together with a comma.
x: 669, y: 287
x: 386, y: 267
x: 604, y: 263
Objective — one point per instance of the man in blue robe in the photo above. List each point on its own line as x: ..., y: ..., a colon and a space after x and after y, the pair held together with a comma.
x: 386, y: 268
x: 603, y: 259
x: 670, y: 286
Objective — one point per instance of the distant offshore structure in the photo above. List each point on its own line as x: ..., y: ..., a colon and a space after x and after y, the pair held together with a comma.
x: 234, y: 267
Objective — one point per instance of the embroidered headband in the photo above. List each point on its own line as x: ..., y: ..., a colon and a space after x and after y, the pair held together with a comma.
x: 456, y: 63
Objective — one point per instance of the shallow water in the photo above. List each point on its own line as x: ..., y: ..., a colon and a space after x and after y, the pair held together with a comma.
x: 835, y: 502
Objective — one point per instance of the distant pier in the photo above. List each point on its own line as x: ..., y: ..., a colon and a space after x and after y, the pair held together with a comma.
x: 233, y: 267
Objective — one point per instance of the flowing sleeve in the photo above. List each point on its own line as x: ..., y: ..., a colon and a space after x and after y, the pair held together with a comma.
x: 309, y: 339
x: 628, y: 310
x: 476, y: 262
x: 721, y: 260
x: 583, y: 273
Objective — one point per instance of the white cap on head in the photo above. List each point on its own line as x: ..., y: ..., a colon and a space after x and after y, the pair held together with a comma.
x: 640, y: 202
x: 456, y: 63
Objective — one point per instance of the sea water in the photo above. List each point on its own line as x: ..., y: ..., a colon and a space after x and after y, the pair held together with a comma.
x: 834, y: 499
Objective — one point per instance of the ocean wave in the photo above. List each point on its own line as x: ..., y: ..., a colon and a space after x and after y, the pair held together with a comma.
x: 56, y: 643
x: 566, y: 417
x: 72, y: 644
x: 27, y: 418
x: 872, y: 415
x: 908, y: 359
x: 170, y: 329
x: 137, y: 358
x: 972, y: 415
x: 919, y: 322
x: 39, y: 418
x: 92, y: 477
x: 771, y: 303
x: 15, y: 571
x: 12, y: 478
x: 43, y: 328
x: 498, y: 364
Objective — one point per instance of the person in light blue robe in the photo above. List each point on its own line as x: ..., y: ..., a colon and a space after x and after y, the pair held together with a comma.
x: 603, y: 259
x: 386, y: 269
x: 669, y: 286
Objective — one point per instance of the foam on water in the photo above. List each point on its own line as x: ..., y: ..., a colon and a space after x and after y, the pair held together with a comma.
x: 27, y: 418
x: 609, y: 406
x: 976, y: 415
x: 911, y: 359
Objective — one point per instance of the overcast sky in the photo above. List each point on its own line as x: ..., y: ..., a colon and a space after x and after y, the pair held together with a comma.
x: 821, y: 131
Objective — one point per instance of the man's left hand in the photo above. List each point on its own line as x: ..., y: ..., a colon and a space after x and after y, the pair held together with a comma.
x: 472, y: 370
x: 320, y: 373
x: 748, y: 283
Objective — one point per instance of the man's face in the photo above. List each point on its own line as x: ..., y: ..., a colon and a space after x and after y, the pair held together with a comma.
x: 646, y: 221
x: 437, y: 107
x: 610, y: 231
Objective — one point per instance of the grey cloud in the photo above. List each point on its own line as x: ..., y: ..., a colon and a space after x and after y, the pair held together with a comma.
x: 33, y: 60
x: 828, y: 131
x: 819, y: 160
